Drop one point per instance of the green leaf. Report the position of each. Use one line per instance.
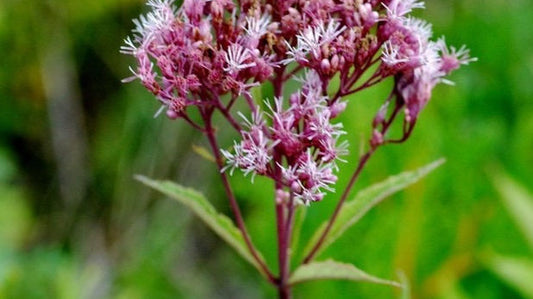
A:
(406, 286)
(518, 202)
(365, 200)
(203, 152)
(299, 217)
(331, 269)
(201, 207)
(517, 272)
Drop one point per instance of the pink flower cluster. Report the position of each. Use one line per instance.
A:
(209, 53)
(192, 55)
(300, 135)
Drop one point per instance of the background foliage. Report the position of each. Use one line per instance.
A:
(74, 223)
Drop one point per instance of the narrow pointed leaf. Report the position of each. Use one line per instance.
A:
(299, 217)
(406, 286)
(516, 272)
(333, 270)
(201, 207)
(203, 152)
(365, 200)
(519, 203)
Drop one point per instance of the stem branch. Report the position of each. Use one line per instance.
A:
(362, 162)
(233, 202)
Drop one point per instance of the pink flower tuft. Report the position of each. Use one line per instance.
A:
(208, 54)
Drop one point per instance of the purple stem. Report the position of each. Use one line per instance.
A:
(250, 102)
(292, 73)
(209, 131)
(232, 101)
(192, 123)
(362, 162)
(277, 82)
(283, 289)
(360, 166)
(228, 115)
(284, 222)
(286, 233)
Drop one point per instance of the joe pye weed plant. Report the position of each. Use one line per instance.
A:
(203, 57)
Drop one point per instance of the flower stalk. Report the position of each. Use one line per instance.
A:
(210, 134)
(210, 54)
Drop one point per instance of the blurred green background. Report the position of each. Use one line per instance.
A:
(74, 223)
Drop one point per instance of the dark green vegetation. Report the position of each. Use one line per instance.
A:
(74, 222)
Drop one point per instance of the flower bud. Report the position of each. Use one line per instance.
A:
(377, 138)
(282, 196)
(172, 114)
(335, 62)
(325, 66)
(337, 109)
(295, 187)
(380, 116)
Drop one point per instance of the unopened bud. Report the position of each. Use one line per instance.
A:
(295, 187)
(335, 62)
(325, 50)
(342, 60)
(282, 196)
(325, 66)
(172, 114)
(380, 116)
(337, 109)
(377, 138)
(294, 99)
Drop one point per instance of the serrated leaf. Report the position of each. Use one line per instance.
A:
(201, 207)
(517, 272)
(331, 269)
(365, 200)
(519, 203)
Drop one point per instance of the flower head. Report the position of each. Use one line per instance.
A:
(209, 54)
(311, 39)
(236, 57)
